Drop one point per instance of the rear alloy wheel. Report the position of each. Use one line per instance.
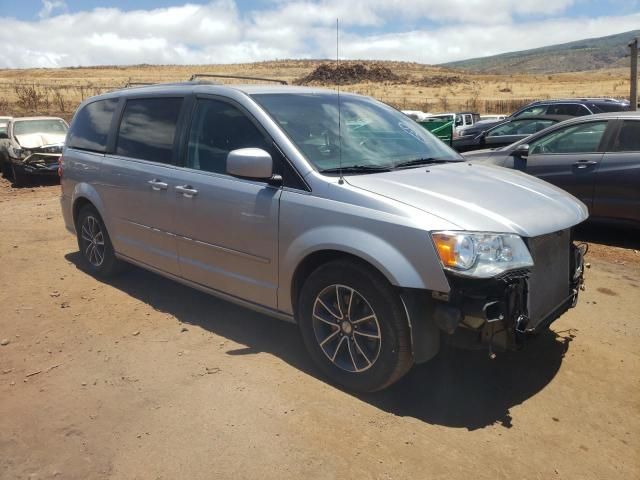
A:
(95, 245)
(354, 326)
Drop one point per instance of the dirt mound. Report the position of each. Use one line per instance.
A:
(438, 80)
(348, 73)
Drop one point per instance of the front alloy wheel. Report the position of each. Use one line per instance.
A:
(354, 325)
(346, 328)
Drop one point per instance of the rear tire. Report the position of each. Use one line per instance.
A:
(96, 250)
(354, 326)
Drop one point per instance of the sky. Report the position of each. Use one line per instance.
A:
(59, 33)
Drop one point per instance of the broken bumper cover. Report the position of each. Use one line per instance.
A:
(502, 311)
(38, 163)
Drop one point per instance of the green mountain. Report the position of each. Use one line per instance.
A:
(588, 54)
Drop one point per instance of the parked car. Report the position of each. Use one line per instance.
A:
(506, 132)
(572, 107)
(417, 115)
(31, 146)
(460, 119)
(4, 123)
(371, 234)
(491, 118)
(596, 158)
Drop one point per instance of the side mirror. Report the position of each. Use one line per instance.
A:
(3, 135)
(522, 151)
(481, 135)
(253, 163)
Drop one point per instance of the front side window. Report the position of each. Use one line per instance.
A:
(218, 128)
(629, 137)
(367, 134)
(581, 138)
(90, 127)
(520, 127)
(148, 127)
(45, 126)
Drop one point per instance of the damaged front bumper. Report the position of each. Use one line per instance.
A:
(38, 163)
(501, 312)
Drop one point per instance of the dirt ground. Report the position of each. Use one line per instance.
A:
(144, 378)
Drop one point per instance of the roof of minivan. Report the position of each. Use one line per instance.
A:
(198, 86)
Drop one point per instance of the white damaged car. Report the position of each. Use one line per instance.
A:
(31, 146)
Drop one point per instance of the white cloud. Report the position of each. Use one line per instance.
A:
(48, 7)
(218, 32)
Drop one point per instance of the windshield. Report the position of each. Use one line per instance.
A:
(49, 126)
(373, 134)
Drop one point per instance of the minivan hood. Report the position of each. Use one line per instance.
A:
(35, 140)
(480, 197)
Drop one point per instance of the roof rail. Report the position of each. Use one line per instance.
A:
(138, 84)
(211, 75)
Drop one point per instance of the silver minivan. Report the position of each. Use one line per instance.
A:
(334, 211)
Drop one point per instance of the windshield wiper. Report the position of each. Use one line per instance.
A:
(357, 169)
(421, 161)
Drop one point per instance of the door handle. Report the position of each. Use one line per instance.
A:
(582, 164)
(158, 185)
(187, 191)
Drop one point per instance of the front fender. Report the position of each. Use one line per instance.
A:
(400, 270)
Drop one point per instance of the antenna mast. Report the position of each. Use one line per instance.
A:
(340, 180)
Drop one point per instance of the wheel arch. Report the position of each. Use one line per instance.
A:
(84, 194)
(315, 260)
(321, 244)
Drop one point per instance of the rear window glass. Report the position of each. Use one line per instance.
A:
(148, 127)
(610, 107)
(90, 128)
(629, 137)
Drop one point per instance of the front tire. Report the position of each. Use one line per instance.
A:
(5, 167)
(19, 177)
(96, 250)
(354, 326)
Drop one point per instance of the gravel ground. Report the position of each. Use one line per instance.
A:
(143, 378)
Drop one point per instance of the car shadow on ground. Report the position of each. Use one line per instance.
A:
(35, 181)
(463, 389)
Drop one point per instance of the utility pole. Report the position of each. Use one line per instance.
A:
(633, 94)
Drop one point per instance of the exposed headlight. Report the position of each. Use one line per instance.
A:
(481, 255)
(16, 152)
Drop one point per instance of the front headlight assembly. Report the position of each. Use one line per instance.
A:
(479, 254)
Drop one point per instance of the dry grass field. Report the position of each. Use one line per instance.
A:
(423, 87)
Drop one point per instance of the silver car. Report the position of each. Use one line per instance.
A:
(336, 212)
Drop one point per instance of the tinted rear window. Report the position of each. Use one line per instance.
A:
(148, 127)
(629, 137)
(610, 107)
(90, 128)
